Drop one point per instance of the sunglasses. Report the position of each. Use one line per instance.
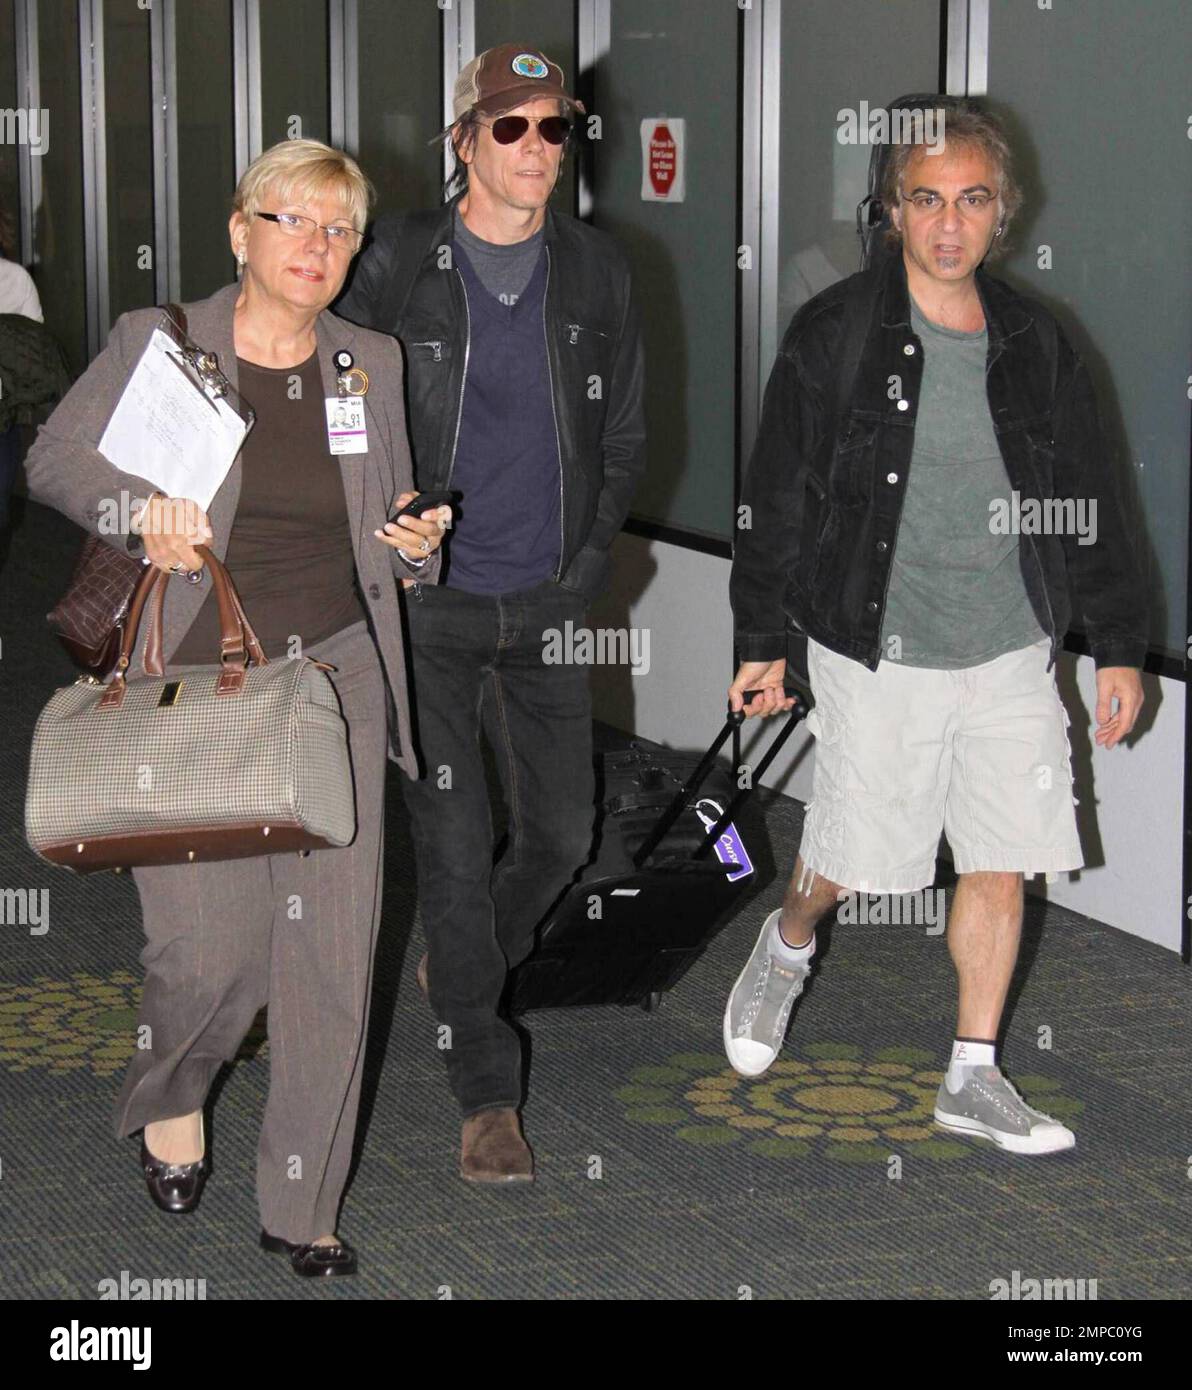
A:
(508, 130)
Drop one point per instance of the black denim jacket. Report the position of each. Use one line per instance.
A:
(825, 498)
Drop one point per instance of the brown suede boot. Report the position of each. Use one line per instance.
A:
(421, 976)
(493, 1150)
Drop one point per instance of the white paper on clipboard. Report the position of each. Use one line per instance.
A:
(167, 429)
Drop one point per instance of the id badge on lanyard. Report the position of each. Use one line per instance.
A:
(347, 432)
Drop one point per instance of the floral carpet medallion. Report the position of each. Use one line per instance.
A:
(830, 1100)
(83, 1021)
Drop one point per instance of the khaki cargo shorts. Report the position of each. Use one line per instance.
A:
(904, 752)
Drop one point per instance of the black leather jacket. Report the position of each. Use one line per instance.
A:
(405, 284)
(825, 499)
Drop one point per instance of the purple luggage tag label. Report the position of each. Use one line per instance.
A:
(730, 848)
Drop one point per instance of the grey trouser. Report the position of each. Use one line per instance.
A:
(292, 932)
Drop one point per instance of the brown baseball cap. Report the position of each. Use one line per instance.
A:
(503, 77)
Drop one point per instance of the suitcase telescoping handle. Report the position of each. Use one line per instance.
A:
(706, 763)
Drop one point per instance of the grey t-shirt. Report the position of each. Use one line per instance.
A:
(504, 271)
(956, 596)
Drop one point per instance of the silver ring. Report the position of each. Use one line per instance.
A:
(425, 546)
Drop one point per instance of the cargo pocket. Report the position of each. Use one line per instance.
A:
(1068, 756)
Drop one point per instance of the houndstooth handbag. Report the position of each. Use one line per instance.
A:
(240, 760)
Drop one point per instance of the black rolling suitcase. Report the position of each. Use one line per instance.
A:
(669, 866)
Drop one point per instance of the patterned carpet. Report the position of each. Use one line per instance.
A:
(661, 1174)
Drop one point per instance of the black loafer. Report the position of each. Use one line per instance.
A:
(174, 1187)
(313, 1261)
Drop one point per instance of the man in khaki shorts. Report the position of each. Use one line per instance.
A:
(888, 568)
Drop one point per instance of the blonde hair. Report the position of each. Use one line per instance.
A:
(296, 170)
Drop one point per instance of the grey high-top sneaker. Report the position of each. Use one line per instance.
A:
(760, 1004)
(988, 1107)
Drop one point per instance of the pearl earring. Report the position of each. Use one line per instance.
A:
(242, 258)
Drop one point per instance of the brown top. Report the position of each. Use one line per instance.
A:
(290, 551)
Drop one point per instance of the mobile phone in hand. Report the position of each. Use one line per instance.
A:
(427, 502)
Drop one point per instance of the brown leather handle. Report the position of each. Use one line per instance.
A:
(237, 641)
(253, 646)
(236, 637)
(146, 585)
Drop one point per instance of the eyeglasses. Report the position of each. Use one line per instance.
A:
(294, 224)
(967, 202)
(508, 130)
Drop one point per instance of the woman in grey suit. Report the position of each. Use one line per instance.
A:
(305, 536)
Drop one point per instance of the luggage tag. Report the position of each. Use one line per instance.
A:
(347, 432)
(729, 848)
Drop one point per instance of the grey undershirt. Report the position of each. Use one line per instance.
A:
(956, 596)
(504, 271)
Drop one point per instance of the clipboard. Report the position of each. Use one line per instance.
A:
(203, 367)
(179, 422)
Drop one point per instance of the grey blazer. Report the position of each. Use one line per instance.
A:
(66, 471)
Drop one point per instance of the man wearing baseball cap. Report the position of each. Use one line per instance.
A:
(524, 374)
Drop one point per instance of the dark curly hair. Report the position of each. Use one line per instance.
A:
(963, 122)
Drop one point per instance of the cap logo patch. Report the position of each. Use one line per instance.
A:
(529, 65)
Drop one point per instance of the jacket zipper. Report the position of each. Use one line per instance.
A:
(578, 328)
(554, 412)
(438, 347)
(459, 415)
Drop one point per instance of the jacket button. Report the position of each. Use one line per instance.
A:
(891, 477)
(904, 405)
(872, 606)
(882, 547)
(374, 591)
(909, 349)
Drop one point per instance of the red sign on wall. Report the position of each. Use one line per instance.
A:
(663, 158)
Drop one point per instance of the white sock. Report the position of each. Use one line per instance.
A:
(968, 1053)
(785, 953)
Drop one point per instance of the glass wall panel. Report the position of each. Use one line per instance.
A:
(678, 59)
(58, 227)
(400, 106)
(549, 26)
(836, 55)
(295, 89)
(206, 143)
(1099, 98)
(128, 97)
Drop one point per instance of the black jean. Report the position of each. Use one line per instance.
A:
(478, 664)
